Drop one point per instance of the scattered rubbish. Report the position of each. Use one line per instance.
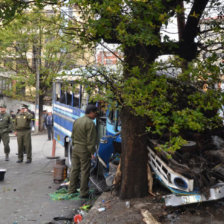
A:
(101, 209)
(2, 174)
(62, 218)
(14, 189)
(60, 171)
(65, 184)
(62, 194)
(147, 217)
(77, 218)
(86, 207)
(127, 203)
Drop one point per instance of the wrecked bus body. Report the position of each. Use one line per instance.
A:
(189, 181)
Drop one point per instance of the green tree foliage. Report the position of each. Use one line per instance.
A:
(10, 8)
(31, 36)
(34, 41)
(172, 103)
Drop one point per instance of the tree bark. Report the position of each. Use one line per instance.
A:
(134, 156)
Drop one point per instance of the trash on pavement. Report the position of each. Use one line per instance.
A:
(77, 218)
(85, 207)
(148, 218)
(127, 204)
(62, 194)
(65, 184)
(61, 218)
(101, 209)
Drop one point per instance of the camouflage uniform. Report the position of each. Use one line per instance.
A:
(23, 130)
(83, 141)
(5, 129)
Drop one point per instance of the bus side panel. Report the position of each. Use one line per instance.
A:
(64, 117)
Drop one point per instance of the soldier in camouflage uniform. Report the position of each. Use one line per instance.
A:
(5, 129)
(84, 142)
(23, 133)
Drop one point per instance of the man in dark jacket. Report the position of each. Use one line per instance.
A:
(84, 142)
(5, 128)
(23, 133)
(48, 121)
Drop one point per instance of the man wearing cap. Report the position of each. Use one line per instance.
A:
(84, 142)
(23, 133)
(6, 126)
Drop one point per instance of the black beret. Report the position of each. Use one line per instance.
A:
(91, 108)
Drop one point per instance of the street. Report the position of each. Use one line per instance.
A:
(24, 193)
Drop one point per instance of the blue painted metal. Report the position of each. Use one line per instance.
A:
(106, 149)
(64, 117)
(177, 191)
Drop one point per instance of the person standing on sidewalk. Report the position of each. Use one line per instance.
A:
(84, 142)
(6, 126)
(48, 121)
(23, 133)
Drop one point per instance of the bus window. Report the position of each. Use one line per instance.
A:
(76, 96)
(63, 97)
(69, 98)
(57, 91)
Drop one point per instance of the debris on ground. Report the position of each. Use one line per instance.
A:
(62, 194)
(148, 218)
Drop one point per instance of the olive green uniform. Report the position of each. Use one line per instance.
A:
(23, 129)
(5, 128)
(83, 141)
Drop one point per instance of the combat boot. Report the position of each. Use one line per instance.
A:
(19, 161)
(7, 157)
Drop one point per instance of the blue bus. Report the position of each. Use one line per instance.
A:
(69, 103)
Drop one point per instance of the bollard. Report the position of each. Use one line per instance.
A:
(53, 150)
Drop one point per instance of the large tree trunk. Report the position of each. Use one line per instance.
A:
(134, 156)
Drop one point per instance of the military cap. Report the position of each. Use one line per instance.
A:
(2, 106)
(24, 106)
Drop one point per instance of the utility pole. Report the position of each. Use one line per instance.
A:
(38, 65)
(37, 100)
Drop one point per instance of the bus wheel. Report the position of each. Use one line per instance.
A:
(69, 159)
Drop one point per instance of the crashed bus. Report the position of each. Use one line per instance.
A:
(70, 99)
(69, 102)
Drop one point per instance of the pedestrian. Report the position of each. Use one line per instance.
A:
(48, 121)
(84, 143)
(23, 133)
(6, 127)
(32, 124)
(44, 114)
